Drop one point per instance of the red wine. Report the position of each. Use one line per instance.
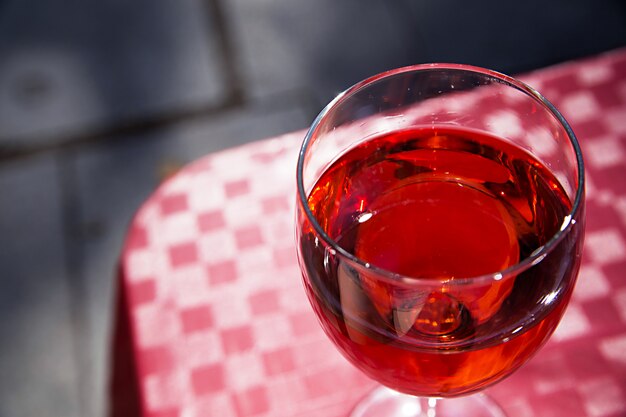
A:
(431, 207)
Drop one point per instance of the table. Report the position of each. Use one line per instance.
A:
(213, 321)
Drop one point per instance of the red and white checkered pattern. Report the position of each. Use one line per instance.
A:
(220, 326)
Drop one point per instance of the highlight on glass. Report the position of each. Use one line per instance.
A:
(439, 225)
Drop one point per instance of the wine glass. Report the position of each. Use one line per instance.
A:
(439, 227)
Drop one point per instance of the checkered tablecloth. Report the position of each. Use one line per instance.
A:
(213, 320)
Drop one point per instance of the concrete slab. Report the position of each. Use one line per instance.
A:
(321, 47)
(66, 70)
(38, 350)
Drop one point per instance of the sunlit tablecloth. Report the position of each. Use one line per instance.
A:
(214, 321)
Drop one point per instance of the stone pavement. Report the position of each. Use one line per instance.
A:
(101, 100)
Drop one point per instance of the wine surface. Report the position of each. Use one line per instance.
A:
(433, 206)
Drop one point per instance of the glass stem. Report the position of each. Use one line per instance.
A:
(428, 407)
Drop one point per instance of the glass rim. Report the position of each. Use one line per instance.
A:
(569, 220)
